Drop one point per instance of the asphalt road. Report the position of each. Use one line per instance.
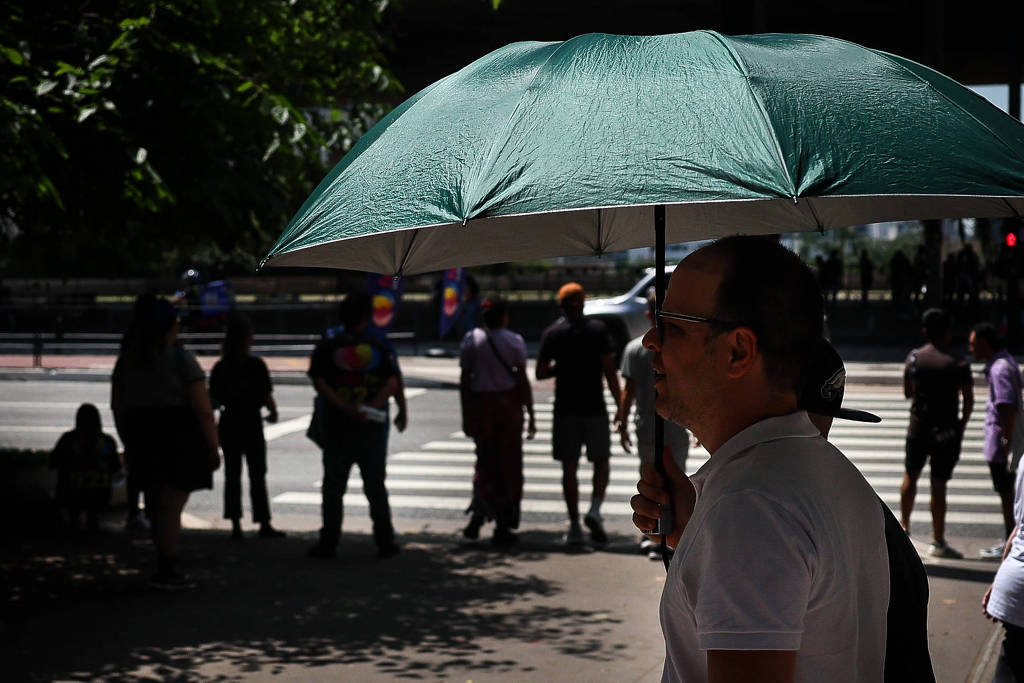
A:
(430, 464)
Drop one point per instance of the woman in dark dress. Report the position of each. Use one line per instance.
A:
(240, 386)
(160, 403)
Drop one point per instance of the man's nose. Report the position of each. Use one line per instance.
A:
(652, 340)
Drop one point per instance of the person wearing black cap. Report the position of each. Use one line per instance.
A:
(906, 642)
(934, 379)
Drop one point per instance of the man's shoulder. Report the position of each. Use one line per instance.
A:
(634, 348)
(560, 326)
(595, 325)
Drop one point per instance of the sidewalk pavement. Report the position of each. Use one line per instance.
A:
(78, 609)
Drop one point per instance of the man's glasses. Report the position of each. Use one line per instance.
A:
(727, 324)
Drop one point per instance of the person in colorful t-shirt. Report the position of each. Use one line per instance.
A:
(354, 376)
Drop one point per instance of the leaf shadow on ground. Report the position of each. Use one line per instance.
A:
(79, 609)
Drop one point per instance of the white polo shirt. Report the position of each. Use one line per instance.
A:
(785, 550)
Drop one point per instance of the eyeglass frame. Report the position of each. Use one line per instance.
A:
(728, 324)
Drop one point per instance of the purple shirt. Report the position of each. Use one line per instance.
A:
(1004, 383)
(487, 373)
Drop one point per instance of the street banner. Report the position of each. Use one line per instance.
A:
(386, 294)
(452, 287)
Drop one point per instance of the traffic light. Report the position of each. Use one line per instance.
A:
(1011, 234)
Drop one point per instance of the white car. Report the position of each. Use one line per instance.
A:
(624, 315)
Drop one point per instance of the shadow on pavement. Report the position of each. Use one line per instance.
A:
(79, 609)
(983, 574)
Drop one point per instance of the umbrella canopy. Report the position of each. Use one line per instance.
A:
(545, 149)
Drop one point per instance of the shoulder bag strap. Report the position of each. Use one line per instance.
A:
(504, 364)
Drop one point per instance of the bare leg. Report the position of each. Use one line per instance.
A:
(908, 491)
(571, 491)
(1006, 498)
(167, 526)
(939, 511)
(601, 474)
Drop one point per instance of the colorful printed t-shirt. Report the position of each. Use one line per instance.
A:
(355, 365)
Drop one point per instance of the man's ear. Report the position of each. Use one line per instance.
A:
(743, 351)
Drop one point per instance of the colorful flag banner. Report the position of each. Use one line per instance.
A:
(452, 287)
(386, 294)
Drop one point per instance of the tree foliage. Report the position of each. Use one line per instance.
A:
(136, 133)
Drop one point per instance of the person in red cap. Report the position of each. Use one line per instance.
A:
(577, 351)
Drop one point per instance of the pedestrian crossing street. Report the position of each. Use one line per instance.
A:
(438, 475)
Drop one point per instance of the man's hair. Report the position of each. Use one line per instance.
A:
(570, 289)
(652, 302)
(236, 336)
(769, 289)
(494, 309)
(355, 309)
(936, 323)
(990, 334)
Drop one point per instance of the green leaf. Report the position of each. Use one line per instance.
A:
(12, 55)
(86, 113)
(45, 87)
(245, 86)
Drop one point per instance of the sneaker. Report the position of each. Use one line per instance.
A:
(993, 553)
(504, 537)
(597, 533)
(654, 553)
(574, 537)
(943, 550)
(270, 532)
(646, 545)
(170, 581)
(386, 551)
(472, 530)
(322, 552)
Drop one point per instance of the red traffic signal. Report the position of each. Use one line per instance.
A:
(1011, 239)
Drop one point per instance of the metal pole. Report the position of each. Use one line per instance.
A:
(659, 295)
(667, 517)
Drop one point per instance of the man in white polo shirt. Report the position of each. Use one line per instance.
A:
(780, 571)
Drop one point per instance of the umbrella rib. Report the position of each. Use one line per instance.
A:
(1012, 208)
(817, 219)
(896, 60)
(760, 106)
(405, 256)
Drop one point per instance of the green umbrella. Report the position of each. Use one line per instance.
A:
(548, 149)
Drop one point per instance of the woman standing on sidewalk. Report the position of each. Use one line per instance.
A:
(240, 386)
(158, 393)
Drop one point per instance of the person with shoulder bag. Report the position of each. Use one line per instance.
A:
(494, 390)
(158, 393)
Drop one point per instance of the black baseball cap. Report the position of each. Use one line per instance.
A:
(824, 384)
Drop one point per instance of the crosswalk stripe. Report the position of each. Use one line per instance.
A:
(438, 474)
